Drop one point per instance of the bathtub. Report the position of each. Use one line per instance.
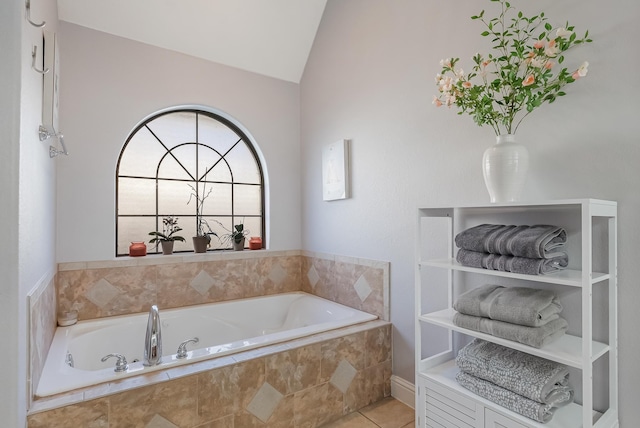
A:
(74, 358)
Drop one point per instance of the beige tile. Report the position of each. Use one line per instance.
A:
(225, 391)
(226, 422)
(265, 401)
(175, 401)
(378, 346)
(350, 348)
(90, 414)
(318, 405)
(389, 413)
(352, 420)
(294, 370)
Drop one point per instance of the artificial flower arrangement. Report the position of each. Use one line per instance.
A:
(524, 72)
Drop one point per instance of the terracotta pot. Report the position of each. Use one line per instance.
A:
(137, 249)
(255, 243)
(200, 243)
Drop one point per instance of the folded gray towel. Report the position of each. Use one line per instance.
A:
(537, 241)
(532, 336)
(513, 264)
(539, 412)
(533, 377)
(517, 305)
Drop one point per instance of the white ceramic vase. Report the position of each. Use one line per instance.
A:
(505, 166)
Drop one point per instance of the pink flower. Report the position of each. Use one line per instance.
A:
(539, 44)
(467, 85)
(548, 65)
(529, 80)
(581, 71)
(436, 101)
(551, 50)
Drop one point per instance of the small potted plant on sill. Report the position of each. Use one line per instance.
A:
(202, 240)
(235, 237)
(167, 237)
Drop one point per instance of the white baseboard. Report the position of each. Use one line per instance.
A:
(403, 391)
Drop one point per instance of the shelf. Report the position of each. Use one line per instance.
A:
(601, 207)
(566, 349)
(569, 416)
(568, 277)
(591, 227)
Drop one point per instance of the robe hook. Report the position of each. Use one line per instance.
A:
(28, 7)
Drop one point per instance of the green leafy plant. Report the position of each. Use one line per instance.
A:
(234, 235)
(522, 73)
(169, 227)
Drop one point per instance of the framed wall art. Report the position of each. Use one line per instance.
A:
(335, 171)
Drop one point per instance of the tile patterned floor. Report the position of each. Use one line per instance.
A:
(387, 413)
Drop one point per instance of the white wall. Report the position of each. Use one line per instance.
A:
(11, 409)
(28, 197)
(370, 78)
(109, 84)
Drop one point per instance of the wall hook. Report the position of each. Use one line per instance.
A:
(33, 61)
(28, 7)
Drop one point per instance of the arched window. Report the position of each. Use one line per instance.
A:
(175, 158)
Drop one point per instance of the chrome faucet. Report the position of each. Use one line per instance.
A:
(153, 339)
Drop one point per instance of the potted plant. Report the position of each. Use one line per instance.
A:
(235, 237)
(167, 237)
(202, 239)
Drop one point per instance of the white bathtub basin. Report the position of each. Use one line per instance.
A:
(221, 328)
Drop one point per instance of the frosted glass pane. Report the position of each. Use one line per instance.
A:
(141, 156)
(247, 200)
(175, 128)
(243, 165)
(132, 229)
(221, 226)
(254, 226)
(180, 164)
(215, 134)
(173, 197)
(208, 158)
(136, 196)
(219, 202)
(220, 173)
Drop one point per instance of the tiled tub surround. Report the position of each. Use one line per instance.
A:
(131, 285)
(302, 383)
(42, 326)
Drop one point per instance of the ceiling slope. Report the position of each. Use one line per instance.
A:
(269, 37)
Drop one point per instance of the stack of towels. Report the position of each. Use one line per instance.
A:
(521, 314)
(532, 250)
(523, 383)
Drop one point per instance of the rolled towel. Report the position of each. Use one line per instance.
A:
(537, 241)
(512, 264)
(533, 377)
(517, 305)
(539, 412)
(532, 336)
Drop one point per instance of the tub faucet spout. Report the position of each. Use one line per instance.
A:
(153, 339)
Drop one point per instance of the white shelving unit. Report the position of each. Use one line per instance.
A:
(591, 227)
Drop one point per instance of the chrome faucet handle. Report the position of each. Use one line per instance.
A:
(182, 348)
(121, 363)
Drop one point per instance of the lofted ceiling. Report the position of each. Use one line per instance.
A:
(269, 37)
